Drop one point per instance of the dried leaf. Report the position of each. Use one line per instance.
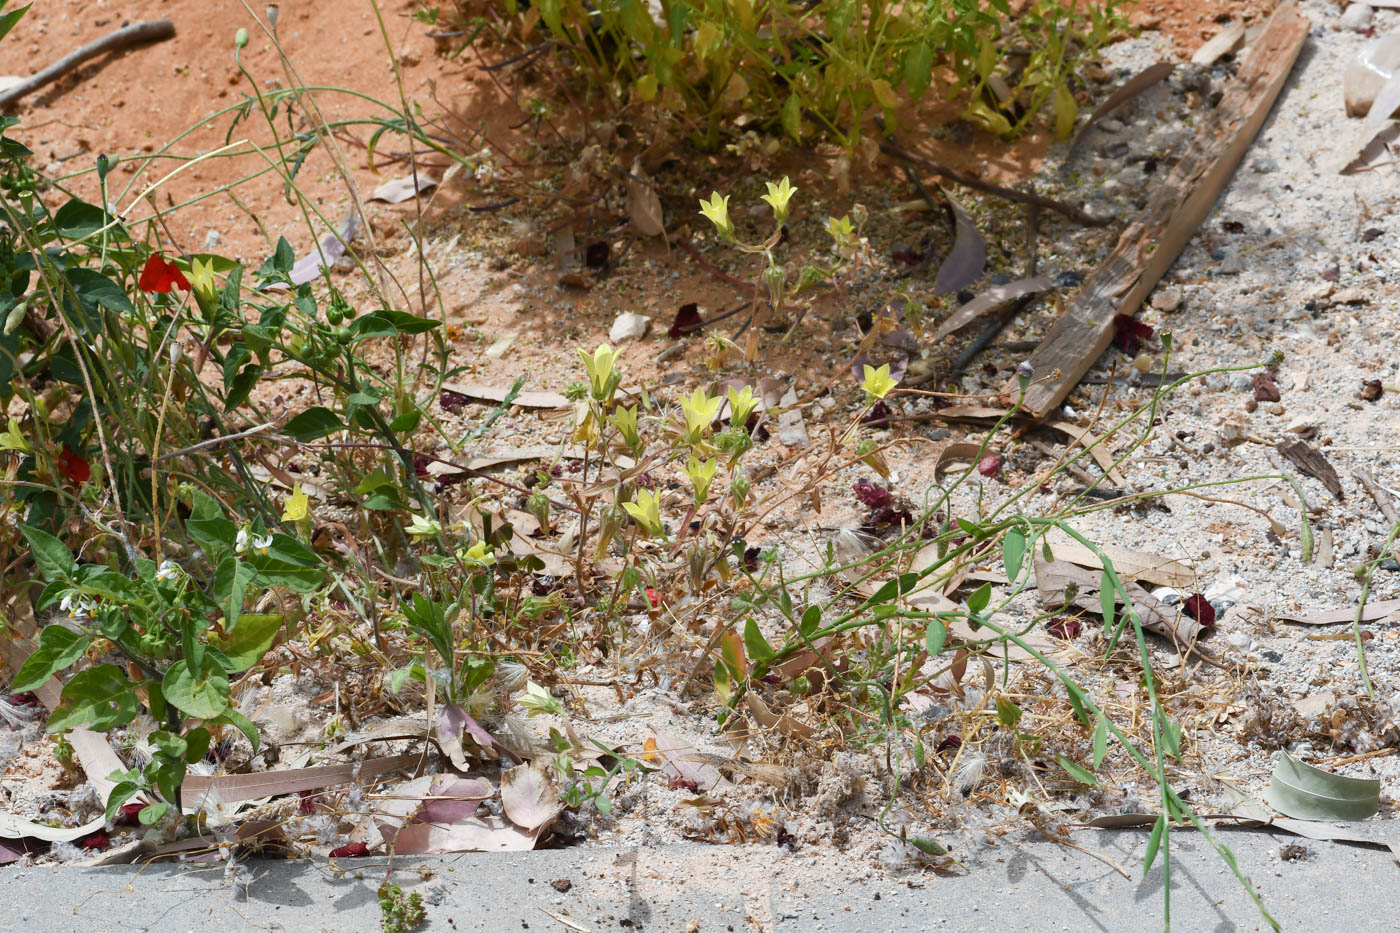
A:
(1311, 461)
(1221, 44)
(1122, 94)
(13, 827)
(681, 762)
(643, 204)
(311, 266)
(1385, 104)
(1307, 793)
(957, 452)
(966, 261)
(231, 788)
(1370, 613)
(477, 834)
(1265, 388)
(786, 723)
(529, 798)
(1054, 578)
(498, 395)
(401, 189)
(992, 300)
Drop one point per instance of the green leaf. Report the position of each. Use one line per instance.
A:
(1108, 602)
(252, 637)
(1008, 713)
(153, 813)
(121, 793)
(980, 598)
(927, 846)
(758, 646)
(406, 422)
(78, 219)
(903, 583)
(282, 259)
(100, 697)
(233, 717)
(1100, 741)
(1153, 842)
(203, 696)
(51, 556)
(792, 117)
(1013, 553)
(918, 69)
(314, 423)
(1171, 737)
(59, 648)
(231, 581)
(7, 22)
(935, 636)
(1078, 701)
(1077, 771)
(1307, 793)
(811, 620)
(95, 289)
(197, 744)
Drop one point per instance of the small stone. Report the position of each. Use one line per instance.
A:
(1357, 16)
(212, 239)
(562, 885)
(1350, 296)
(1167, 299)
(1271, 656)
(1229, 262)
(1114, 150)
(628, 326)
(1069, 279)
(1277, 409)
(1110, 125)
(1238, 639)
(1241, 382)
(1264, 165)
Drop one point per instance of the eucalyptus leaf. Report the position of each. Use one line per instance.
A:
(1301, 791)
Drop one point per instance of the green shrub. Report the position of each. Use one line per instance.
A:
(822, 68)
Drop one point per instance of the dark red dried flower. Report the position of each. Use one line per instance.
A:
(687, 320)
(950, 743)
(785, 839)
(22, 699)
(1066, 627)
(129, 815)
(98, 840)
(597, 255)
(751, 555)
(453, 401)
(910, 257)
(680, 783)
(1129, 333)
(351, 850)
(878, 412)
(1199, 608)
(1265, 389)
(989, 465)
(871, 495)
(1232, 226)
(307, 807)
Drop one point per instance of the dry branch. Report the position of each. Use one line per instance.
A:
(154, 30)
(1151, 244)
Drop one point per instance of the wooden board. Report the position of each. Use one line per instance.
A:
(1149, 246)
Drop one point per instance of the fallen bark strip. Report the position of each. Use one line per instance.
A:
(154, 30)
(1149, 246)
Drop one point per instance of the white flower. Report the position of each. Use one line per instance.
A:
(246, 542)
(422, 527)
(77, 606)
(169, 570)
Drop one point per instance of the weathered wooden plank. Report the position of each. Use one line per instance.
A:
(1149, 246)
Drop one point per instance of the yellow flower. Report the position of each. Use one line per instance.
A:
(646, 512)
(701, 474)
(480, 553)
(202, 279)
(422, 527)
(296, 506)
(716, 210)
(778, 196)
(14, 439)
(602, 373)
(878, 383)
(625, 420)
(700, 411)
(741, 406)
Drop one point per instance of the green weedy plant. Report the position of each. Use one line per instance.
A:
(399, 912)
(181, 631)
(809, 69)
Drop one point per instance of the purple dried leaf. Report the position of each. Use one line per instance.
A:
(989, 465)
(1066, 627)
(967, 260)
(1129, 333)
(1199, 608)
(453, 401)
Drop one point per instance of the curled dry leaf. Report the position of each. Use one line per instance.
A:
(992, 300)
(681, 761)
(529, 798)
(476, 834)
(1126, 91)
(401, 189)
(966, 261)
(643, 204)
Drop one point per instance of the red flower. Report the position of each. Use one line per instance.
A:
(352, 850)
(654, 598)
(1199, 608)
(129, 814)
(73, 465)
(162, 276)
